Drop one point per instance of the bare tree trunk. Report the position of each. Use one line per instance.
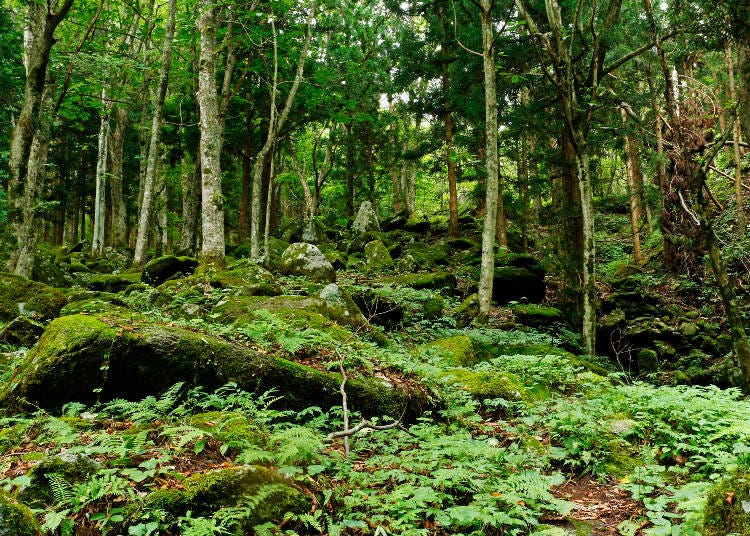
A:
(100, 203)
(144, 216)
(487, 270)
(212, 201)
(191, 203)
(743, 76)
(119, 234)
(635, 187)
(274, 127)
(737, 135)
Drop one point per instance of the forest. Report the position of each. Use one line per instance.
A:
(374, 267)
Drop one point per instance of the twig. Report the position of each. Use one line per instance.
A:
(687, 210)
(367, 424)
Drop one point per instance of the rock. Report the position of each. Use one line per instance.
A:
(84, 358)
(16, 519)
(205, 493)
(665, 350)
(21, 331)
(537, 316)
(484, 385)
(312, 231)
(366, 219)
(512, 283)
(467, 311)
(688, 329)
(157, 271)
(101, 265)
(647, 360)
(421, 226)
(456, 351)
(74, 468)
(426, 280)
(429, 255)
(722, 516)
(396, 222)
(406, 263)
(76, 248)
(48, 271)
(377, 257)
(21, 296)
(112, 282)
(306, 259)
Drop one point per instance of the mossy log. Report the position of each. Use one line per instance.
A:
(87, 358)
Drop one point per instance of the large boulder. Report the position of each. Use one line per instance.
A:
(306, 259)
(377, 257)
(21, 331)
(86, 358)
(160, 270)
(20, 296)
(15, 518)
(727, 509)
(518, 278)
(366, 219)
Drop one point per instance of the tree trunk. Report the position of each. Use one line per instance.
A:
(149, 180)
(212, 200)
(119, 234)
(587, 216)
(635, 188)
(743, 85)
(487, 270)
(191, 206)
(741, 220)
(100, 203)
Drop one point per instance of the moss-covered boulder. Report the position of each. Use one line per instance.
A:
(537, 316)
(456, 351)
(425, 280)
(21, 331)
(157, 271)
(306, 259)
(49, 271)
(429, 255)
(21, 296)
(86, 358)
(484, 385)
(72, 468)
(512, 283)
(377, 257)
(16, 519)
(727, 509)
(366, 219)
(113, 282)
(202, 494)
(100, 265)
(467, 311)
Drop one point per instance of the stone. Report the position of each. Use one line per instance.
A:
(113, 282)
(85, 358)
(21, 331)
(366, 219)
(467, 311)
(157, 271)
(306, 259)
(537, 316)
(396, 222)
(688, 329)
(377, 257)
(16, 519)
(647, 360)
(21, 296)
(511, 283)
(48, 271)
(722, 516)
(424, 280)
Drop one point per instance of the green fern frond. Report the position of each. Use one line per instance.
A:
(62, 490)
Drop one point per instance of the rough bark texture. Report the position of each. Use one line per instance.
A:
(635, 190)
(490, 110)
(191, 205)
(212, 201)
(100, 202)
(737, 136)
(119, 232)
(149, 179)
(743, 81)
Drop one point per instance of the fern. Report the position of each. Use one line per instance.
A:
(254, 455)
(62, 491)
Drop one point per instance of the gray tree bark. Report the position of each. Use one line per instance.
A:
(100, 204)
(147, 202)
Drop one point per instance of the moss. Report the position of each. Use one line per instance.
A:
(229, 427)
(428, 255)
(467, 311)
(377, 257)
(427, 280)
(204, 493)
(456, 351)
(485, 385)
(93, 306)
(16, 519)
(19, 295)
(113, 282)
(82, 358)
(726, 509)
(621, 459)
(73, 468)
(537, 315)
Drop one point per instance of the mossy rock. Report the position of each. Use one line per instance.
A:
(157, 271)
(245, 278)
(228, 427)
(307, 260)
(16, 519)
(85, 358)
(21, 296)
(21, 331)
(204, 493)
(48, 271)
(73, 468)
(429, 255)
(537, 316)
(366, 219)
(426, 280)
(457, 351)
(113, 282)
(467, 311)
(722, 516)
(101, 265)
(512, 283)
(94, 305)
(377, 257)
(484, 385)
